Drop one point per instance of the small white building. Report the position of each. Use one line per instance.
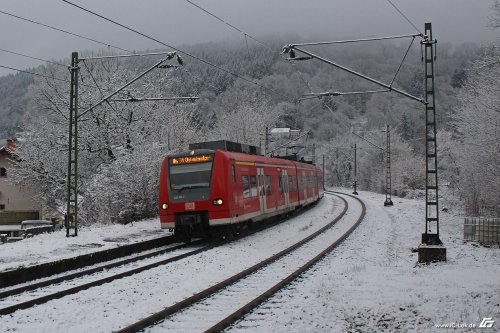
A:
(16, 204)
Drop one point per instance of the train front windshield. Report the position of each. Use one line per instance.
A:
(190, 172)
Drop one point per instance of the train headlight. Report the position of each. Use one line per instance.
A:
(218, 202)
(164, 206)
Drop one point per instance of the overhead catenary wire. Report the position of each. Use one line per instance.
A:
(65, 31)
(32, 73)
(32, 57)
(229, 24)
(404, 16)
(108, 45)
(126, 55)
(251, 37)
(42, 75)
(357, 40)
(175, 48)
(254, 39)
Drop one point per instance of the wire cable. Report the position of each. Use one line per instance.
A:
(44, 76)
(34, 58)
(36, 74)
(64, 31)
(174, 48)
(405, 17)
(229, 24)
(402, 61)
(251, 37)
(357, 40)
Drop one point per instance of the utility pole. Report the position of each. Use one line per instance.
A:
(355, 182)
(71, 222)
(388, 201)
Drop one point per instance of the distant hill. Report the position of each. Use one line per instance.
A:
(13, 102)
(266, 66)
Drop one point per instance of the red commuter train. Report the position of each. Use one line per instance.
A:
(221, 186)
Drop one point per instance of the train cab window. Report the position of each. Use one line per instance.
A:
(189, 175)
(253, 186)
(245, 186)
(3, 172)
(269, 190)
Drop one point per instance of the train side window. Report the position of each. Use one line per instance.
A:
(233, 173)
(245, 186)
(253, 186)
(269, 190)
(280, 184)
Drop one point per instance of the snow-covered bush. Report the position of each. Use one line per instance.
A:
(125, 190)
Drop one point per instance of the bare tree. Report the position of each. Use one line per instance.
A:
(477, 123)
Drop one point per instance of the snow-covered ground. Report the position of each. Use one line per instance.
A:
(56, 246)
(370, 284)
(373, 284)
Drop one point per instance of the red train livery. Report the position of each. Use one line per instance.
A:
(207, 191)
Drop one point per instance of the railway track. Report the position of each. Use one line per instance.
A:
(6, 294)
(50, 288)
(226, 302)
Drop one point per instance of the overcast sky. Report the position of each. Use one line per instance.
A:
(176, 22)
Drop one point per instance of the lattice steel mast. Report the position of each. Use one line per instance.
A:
(431, 235)
(388, 181)
(71, 222)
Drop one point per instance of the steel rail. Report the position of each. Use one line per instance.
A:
(240, 313)
(80, 273)
(177, 307)
(73, 290)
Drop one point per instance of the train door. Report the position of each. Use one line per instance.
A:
(262, 189)
(284, 177)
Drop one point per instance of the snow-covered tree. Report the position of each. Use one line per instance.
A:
(477, 124)
(115, 140)
(243, 115)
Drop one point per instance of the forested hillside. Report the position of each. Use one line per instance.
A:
(121, 143)
(13, 102)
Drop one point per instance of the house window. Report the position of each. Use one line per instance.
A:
(2, 206)
(3, 172)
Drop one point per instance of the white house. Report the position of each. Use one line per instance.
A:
(16, 204)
